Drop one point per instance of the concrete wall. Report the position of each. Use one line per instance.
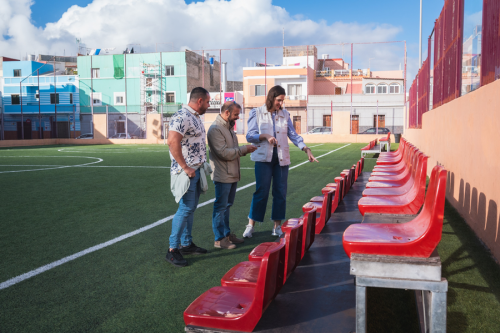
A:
(462, 136)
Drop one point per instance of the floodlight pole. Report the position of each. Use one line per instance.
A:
(420, 39)
(55, 98)
(40, 130)
(22, 117)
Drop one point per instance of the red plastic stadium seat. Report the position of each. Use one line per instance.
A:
(417, 238)
(237, 308)
(323, 209)
(407, 203)
(318, 200)
(399, 179)
(310, 224)
(398, 152)
(246, 273)
(293, 247)
(387, 138)
(419, 177)
(396, 169)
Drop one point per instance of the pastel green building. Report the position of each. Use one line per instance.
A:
(128, 86)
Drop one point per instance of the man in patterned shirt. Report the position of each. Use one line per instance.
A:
(186, 140)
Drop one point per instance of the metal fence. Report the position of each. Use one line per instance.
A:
(462, 56)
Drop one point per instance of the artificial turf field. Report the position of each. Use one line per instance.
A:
(57, 201)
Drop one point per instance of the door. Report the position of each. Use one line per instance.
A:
(355, 124)
(380, 122)
(63, 129)
(120, 127)
(327, 120)
(296, 124)
(27, 130)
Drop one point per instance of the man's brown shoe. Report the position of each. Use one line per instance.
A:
(224, 243)
(233, 239)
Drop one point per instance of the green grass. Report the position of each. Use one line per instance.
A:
(128, 287)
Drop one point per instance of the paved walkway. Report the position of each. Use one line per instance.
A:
(320, 295)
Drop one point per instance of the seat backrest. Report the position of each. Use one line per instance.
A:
(340, 187)
(428, 225)
(292, 249)
(270, 278)
(416, 194)
(309, 220)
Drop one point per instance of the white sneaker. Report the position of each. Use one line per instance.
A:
(277, 231)
(248, 231)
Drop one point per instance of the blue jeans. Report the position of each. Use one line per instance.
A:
(182, 223)
(224, 199)
(264, 172)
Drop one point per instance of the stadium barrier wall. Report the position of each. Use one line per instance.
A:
(153, 135)
(462, 136)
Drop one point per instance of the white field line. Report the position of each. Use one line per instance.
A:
(317, 145)
(64, 260)
(99, 160)
(84, 166)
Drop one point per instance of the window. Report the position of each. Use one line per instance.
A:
(257, 90)
(54, 98)
(37, 95)
(14, 98)
(294, 89)
(169, 70)
(17, 72)
(370, 89)
(394, 88)
(170, 97)
(97, 99)
(382, 88)
(95, 73)
(338, 90)
(119, 98)
(70, 98)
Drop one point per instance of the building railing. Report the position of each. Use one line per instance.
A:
(296, 97)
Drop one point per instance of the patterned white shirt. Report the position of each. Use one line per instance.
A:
(188, 122)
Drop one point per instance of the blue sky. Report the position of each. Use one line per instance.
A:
(403, 14)
(52, 26)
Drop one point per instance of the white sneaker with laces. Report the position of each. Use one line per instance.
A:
(248, 231)
(277, 231)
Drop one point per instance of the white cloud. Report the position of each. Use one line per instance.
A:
(211, 24)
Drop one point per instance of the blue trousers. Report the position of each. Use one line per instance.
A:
(224, 199)
(182, 223)
(264, 173)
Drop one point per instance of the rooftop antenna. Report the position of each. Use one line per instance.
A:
(283, 37)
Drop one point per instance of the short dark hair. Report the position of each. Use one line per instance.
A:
(272, 94)
(197, 93)
(229, 106)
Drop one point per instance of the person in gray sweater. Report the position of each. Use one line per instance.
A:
(224, 156)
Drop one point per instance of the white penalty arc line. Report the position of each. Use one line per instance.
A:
(99, 160)
(77, 255)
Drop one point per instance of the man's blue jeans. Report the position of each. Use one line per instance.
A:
(264, 173)
(182, 223)
(224, 199)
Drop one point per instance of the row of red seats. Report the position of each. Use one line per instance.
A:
(397, 186)
(248, 288)
(370, 145)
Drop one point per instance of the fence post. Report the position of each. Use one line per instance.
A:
(74, 123)
(107, 124)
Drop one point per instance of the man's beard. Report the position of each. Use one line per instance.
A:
(231, 123)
